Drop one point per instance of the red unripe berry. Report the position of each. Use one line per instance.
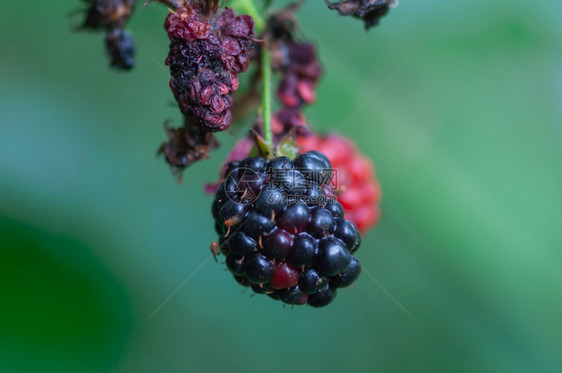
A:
(356, 185)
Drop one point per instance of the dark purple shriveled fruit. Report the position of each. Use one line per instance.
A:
(187, 145)
(112, 16)
(370, 11)
(121, 48)
(295, 60)
(207, 51)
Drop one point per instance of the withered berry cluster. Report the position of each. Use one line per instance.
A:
(370, 11)
(207, 51)
(112, 16)
(290, 204)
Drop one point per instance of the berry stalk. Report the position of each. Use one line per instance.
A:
(266, 96)
(249, 7)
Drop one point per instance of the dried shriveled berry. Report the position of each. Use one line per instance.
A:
(121, 48)
(298, 85)
(107, 13)
(295, 60)
(207, 51)
(112, 16)
(370, 11)
(187, 145)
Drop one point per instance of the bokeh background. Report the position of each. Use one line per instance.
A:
(458, 104)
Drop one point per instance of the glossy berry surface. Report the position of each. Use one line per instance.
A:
(279, 237)
(347, 277)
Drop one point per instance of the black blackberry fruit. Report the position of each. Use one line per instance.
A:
(281, 233)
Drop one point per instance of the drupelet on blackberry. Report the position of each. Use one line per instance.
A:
(282, 232)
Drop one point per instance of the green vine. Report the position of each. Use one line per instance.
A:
(266, 96)
(249, 7)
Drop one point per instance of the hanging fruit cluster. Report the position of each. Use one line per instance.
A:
(290, 204)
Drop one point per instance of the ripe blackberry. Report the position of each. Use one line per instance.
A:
(370, 11)
(208, 48)
(282, 238)
(358, 189)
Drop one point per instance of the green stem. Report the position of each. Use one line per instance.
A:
(266, 95)
(249, 7)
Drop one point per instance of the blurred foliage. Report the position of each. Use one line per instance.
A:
(58, 303)
(457, 103)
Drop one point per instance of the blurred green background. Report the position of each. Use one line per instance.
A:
(95, 232)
